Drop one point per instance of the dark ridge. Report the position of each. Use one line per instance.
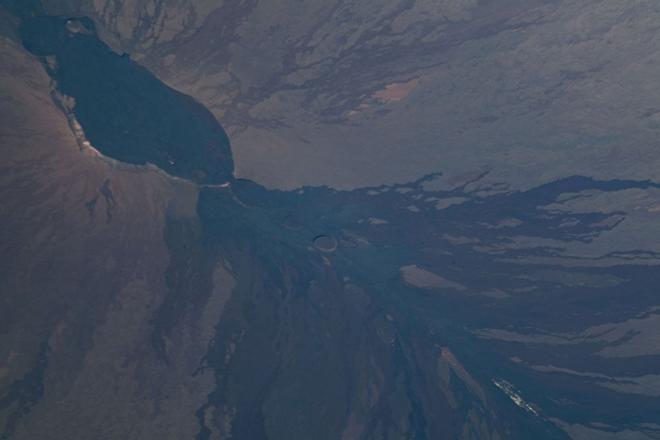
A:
(188, 278)
(24, 393)
(124, 110)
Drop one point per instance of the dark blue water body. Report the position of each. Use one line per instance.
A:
(126, 112)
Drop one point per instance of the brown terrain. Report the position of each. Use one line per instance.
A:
(83, 243)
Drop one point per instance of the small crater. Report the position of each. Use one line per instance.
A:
(78, 26)
(325, 243)
(292, 223)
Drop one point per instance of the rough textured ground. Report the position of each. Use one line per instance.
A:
(82, 272)
(351, 94)
(480, 303)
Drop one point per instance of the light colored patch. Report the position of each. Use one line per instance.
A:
(509, 222)
(396, 91)
(639, 336)
(460, 239)
(508, 389)
(644, 342)
(591, 432)
(495, 293)
(418, 277)
(359, 109)
(648, 385)
(462, 373)
(446, 203)
(573, 278)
